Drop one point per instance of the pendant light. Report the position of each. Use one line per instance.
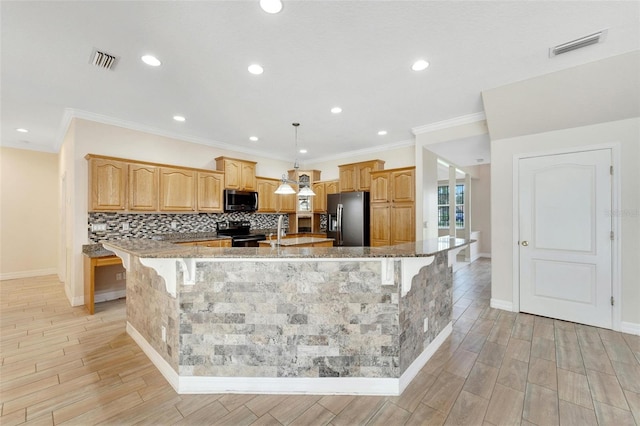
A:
(285, 187)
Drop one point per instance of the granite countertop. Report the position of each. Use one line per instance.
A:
(163, 249)
(296, 241)
(97, 250)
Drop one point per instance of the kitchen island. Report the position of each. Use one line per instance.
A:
(335, 320)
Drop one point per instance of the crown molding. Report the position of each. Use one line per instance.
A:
(70, 114)
(452, 122)
(364, 151)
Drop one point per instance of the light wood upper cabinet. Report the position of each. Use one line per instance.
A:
(332, 187)
(210, 187)
(348, 175)
(380, 187)
(107, 184)
(287, 203)
(320, 200)
(143, 187)
(267, 198)
(356, 176)
(177, 189)
(403, 183)
(238, 174)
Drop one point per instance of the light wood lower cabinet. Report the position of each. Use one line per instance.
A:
(223, 242)
(90, 266)
(392, 207)
(177, 190)
(380, 225)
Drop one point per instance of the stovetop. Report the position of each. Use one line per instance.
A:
(235, 228)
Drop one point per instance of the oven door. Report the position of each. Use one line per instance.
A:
(246, 241)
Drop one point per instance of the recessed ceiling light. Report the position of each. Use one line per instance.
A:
(255, 69)
(336, 110)
(271, 6)
(151, 60)
(420, 65)
(21, 130)
(382, 132)
(179, 118)
(303, 151)
(253, 138)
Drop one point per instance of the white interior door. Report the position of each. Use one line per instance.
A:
(565, 237)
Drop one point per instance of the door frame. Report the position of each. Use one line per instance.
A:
(616, 247)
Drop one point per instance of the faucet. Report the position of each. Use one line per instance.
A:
(279, 230)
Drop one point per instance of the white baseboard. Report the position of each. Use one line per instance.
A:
(288, 385)
(630, 328)
(163, 366)
(505, 305)
(109, 295)
(412, 371)
(488, 255)
(28, 274)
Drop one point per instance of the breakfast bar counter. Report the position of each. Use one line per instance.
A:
(321, 320)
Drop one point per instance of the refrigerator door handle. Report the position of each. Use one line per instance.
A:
(339, 227)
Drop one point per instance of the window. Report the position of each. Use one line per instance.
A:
(443, 206)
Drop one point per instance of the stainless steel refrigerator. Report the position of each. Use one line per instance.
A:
(348, 218)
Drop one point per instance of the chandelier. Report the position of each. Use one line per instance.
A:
(285, 187)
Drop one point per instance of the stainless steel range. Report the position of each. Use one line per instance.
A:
(240, 233)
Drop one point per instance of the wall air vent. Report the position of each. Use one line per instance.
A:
(103, 60)
(585, 41)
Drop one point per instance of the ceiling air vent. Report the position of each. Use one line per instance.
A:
(103, 60)
(585, 41)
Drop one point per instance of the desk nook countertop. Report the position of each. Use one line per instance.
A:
(335, 320)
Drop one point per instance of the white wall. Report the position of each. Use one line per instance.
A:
(427, 175)
(626, 133)
(481, 204)
(28, 213)
(393, 158)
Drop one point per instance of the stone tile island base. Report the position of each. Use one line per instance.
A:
(359, 326)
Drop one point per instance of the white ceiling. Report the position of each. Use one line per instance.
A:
(316, 55)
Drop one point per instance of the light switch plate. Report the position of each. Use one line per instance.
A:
(97, 227)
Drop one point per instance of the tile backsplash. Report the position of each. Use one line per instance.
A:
(148, 225)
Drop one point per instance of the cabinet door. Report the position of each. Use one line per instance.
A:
(266, 195)
(332, 187)
(402, 223)
(232, 174)
(177, 189)
(348, 178)
(108, 184)
(210, 192)
(143, 187)
(364, 177)
(248, 176)
(403, 186)
(287, 203)
(320, 200)
(380, 188)
(380, 221)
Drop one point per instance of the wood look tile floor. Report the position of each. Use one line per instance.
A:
(59, 365)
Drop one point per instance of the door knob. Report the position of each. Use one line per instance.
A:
(525, 243)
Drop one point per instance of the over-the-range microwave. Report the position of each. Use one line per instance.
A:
(240, 201)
